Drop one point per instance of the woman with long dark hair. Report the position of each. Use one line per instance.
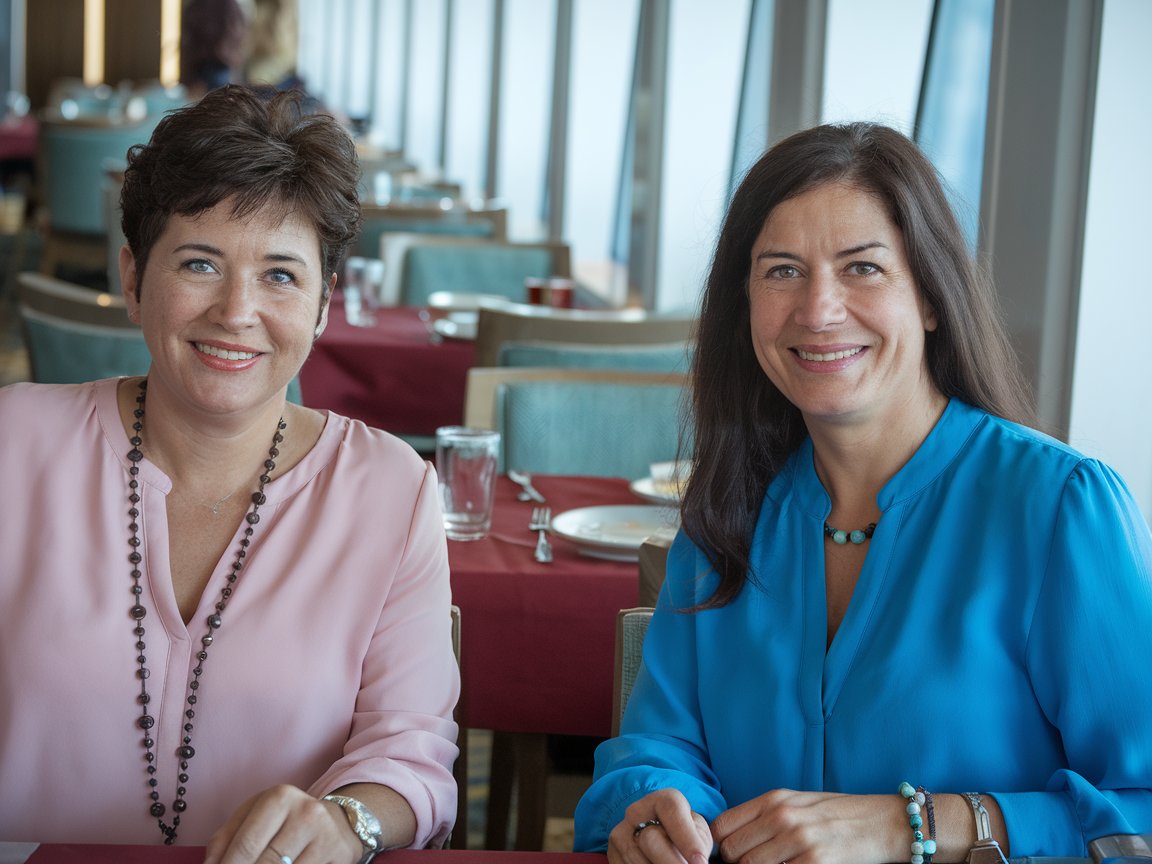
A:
(885, 579)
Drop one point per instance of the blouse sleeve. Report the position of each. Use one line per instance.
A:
(402, 734)
(1088, 655)
(664, 697)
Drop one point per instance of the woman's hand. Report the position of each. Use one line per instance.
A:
(813, 828)
(678, 835)
(285, 822)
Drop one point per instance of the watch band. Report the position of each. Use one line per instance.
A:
(363, 822)
(986, 850)
(980, 814)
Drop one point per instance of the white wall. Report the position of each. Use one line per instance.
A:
(1112, 377)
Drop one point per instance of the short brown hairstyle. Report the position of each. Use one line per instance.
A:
(261, 152)
(744, 428)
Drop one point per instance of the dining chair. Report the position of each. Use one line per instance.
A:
(631, 628)
(670, 357)
(423, 218)
(653, 561)
(594, 422)
(513, 334)
(497, 268)
(73, 333)
(71, 172)
(458, 839)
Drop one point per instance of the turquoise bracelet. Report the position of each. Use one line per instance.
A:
(920, 800)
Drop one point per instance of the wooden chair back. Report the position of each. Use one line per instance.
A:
(522, 323)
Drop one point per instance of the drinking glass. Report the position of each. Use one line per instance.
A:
(466, 468)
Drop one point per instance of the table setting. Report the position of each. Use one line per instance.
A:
(388, 374)
(540, 586)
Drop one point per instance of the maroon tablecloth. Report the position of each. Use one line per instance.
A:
(18, 136)
(95, 854)
(537, 640)
(390, 376)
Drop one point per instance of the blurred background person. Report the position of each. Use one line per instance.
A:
(213, 44)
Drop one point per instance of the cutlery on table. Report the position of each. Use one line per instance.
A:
(434, 336)
(541, 517)
(524, 481)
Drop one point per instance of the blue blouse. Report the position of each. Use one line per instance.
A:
(999, 640)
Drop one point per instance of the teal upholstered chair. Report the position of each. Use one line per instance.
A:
(73, 163)
(672, 357)
(516, 334)
(379, 222)
(578, 421)
(479, 268)
(75, 334)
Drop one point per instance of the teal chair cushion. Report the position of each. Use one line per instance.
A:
(471, 268)
(75, 159)
(63, 352)
(634, 358)
(372, 230)
(598, 429)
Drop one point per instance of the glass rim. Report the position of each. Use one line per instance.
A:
(466, 431)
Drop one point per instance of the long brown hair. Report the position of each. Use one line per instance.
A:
(744, 429)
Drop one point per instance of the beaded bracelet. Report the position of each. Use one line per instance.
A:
(918, 799)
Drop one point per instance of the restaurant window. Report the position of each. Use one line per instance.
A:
(752, 115)
(700, 127)
(873, 61)
(525, 93)
(603, 47)
(469, 71)
(952, 114)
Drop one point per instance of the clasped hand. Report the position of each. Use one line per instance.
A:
(284, 823)
(779, 826)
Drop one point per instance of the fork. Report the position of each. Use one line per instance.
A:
(541, 516)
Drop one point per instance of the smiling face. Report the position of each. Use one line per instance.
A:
(229, 307)
(838, 322)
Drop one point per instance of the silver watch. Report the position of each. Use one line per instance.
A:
(364, 823)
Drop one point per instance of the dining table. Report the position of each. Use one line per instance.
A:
(68, 853)
(538, 639)
(396, 375)
(18, 137)
(537, 655)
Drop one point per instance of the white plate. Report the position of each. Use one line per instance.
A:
(459, 301)
(458, 325)
(646, 488)
(614, 532)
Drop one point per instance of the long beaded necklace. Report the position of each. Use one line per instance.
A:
(185, 752)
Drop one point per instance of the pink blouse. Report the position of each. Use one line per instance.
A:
(334, 663)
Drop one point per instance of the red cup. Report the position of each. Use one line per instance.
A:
(536, 291)
(561, 293)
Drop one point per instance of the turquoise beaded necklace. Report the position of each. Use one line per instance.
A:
(840, 537)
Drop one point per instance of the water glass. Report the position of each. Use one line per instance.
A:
(354, 290)
(466, 467)
(363, 290)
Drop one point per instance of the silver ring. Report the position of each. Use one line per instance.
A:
(647, 823)
(284, 859)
